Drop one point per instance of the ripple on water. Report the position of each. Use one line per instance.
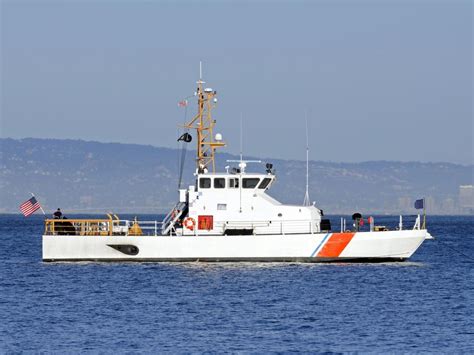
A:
(422, 305)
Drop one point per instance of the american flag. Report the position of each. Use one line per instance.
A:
(183, 103)
(29, 207)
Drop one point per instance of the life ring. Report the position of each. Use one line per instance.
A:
(190, 223)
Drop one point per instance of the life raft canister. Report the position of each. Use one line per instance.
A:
(189, 223)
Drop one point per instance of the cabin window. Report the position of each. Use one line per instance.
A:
(204, 183)
(219, 183)
(250, 183)
(234, 183)
(221, 206)
(264, 183)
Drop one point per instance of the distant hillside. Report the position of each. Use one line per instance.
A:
(81, 176)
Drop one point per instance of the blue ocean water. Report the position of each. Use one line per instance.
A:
(422, 305)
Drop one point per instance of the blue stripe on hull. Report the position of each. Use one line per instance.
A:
(320, 244)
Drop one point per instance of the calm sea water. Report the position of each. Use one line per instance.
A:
(425, 304)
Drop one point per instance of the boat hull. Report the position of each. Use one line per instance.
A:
(361, 246)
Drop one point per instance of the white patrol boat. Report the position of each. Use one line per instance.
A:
(226, 217)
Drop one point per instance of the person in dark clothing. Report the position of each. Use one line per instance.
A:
(57, 214)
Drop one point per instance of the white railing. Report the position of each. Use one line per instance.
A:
(151, 228)
(126, 227)
(269, 227)
(417, 223)
(123, 227)
(154, 228)
(373, 228)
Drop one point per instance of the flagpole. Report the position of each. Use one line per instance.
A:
(424, 214)
(41, 208)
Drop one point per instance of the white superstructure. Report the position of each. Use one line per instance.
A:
(232, 204)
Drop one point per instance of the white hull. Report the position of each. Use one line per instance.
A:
(388, 245)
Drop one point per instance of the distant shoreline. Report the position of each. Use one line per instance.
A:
(66, 140)
(93, 177)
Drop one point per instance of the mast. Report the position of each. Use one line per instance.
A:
(241, 139)
(204, 126)
(306, 196)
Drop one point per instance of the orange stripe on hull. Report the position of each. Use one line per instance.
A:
(335, 245)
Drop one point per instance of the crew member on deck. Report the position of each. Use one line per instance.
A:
(57, 214)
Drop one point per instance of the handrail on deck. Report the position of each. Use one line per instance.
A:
(98, 226)
(80, 226)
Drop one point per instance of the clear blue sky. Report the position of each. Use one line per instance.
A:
(387, 80)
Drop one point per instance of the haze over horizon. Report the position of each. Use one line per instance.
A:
(192, 149)
(380, 81)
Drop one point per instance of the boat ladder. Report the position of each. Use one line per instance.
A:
(172, 217)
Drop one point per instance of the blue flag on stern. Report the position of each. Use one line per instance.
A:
(420, 204)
